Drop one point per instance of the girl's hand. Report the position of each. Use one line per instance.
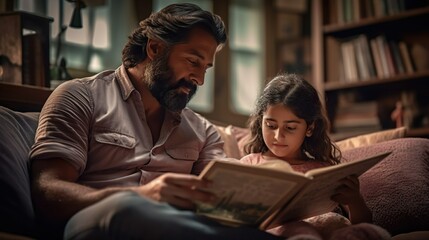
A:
(349, 195)
(349, 191)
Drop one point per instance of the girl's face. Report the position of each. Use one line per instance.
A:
(283, 132)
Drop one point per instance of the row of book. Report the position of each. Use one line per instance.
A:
(345, 11)
(379, 57)
(355, 117)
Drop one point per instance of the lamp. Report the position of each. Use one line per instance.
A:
(76, 20)
(60, 65)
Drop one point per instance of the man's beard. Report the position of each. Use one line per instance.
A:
(159, 77)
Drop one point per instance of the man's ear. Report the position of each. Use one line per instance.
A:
(153, 48)
(310, 130)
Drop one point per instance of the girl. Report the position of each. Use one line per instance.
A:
(290, 124)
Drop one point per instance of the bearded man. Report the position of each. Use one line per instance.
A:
(117, 154)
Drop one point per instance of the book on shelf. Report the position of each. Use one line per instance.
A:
(379, 8)
(368, 9)
(398, 62)
(380, 43)
(369, 59)
(335, 72)
(361, 62)
(364, 58)
(349, 62)
(406, 56)
(377, 58)
(348, 11)
(267, 196)
(352, 115)
(345, 11)
(389, 58)
(419, 56)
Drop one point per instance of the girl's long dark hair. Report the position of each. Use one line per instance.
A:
(302, 98)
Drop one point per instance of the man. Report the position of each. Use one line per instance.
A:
(117, 155)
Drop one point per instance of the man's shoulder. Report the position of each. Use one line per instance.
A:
(104, 76)
(101, 77)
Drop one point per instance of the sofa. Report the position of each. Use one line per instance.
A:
(396, 189)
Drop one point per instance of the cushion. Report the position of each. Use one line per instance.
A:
(230, 142)
(371, 138)
(236, 137)
(397, 188)
(17, 135)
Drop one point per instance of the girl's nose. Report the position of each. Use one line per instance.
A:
(279, 134)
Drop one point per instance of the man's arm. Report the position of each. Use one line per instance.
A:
(57, 196)
(55, 193)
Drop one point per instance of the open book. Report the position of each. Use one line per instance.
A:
(267, 196)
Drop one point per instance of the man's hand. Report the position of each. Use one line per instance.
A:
(180, 190)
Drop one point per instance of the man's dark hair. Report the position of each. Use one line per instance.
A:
(172, 25)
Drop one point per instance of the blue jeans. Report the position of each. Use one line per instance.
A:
(127, 215)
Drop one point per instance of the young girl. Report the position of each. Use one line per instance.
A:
(290, 124)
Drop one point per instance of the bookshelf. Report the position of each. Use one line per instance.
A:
(361, 60)
(289, 22)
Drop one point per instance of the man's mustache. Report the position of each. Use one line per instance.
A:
(184, 83)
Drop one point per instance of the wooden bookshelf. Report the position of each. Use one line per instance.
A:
(334, 76)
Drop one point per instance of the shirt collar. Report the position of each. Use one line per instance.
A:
(124, 82)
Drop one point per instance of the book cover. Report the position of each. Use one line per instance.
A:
(266, 196)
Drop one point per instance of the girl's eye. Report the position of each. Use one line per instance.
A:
(270, 126)
(291, 128)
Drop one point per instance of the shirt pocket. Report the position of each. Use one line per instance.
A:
(185, 154)
(116, 139)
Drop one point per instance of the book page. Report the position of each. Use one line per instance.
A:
(315, 197)
(247, 194)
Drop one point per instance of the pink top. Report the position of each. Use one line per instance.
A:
(98, 124)
(257, 158)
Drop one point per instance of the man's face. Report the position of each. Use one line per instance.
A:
(163, 86)
(174, 75)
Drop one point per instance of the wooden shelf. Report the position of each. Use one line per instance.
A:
(23, 97)
(418, 132)
(402, 78)
(363, 24)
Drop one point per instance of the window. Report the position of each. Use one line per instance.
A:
(247, 54)
(98, 44)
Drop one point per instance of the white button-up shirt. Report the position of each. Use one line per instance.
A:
(98, 124)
